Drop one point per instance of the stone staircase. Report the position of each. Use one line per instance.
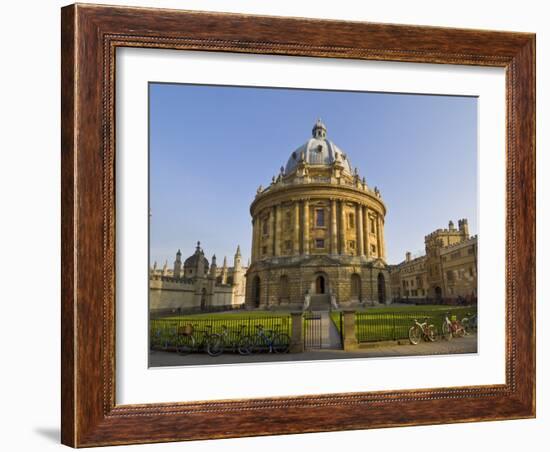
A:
(320, 302)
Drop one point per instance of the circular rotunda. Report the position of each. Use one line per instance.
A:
(318, 234)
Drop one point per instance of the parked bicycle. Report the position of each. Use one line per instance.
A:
(452, 328)
(194, 340)
(220, 342)
(164, 338)
(470, 322)
(270, 341)
(420, 331)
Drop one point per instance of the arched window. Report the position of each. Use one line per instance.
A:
(355, 287)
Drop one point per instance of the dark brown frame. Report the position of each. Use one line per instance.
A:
(90, 34)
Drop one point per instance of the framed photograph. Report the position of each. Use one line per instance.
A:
(270, 231)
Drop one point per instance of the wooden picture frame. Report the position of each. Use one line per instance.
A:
(90, 36)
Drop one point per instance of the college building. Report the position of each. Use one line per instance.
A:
(196, 284)
(448, 270)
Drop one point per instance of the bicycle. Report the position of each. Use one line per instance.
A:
(269, 340)
(164, 338)
(194, 340)
(422, 331)
(470, 322)
(218, 342)
(452, 328)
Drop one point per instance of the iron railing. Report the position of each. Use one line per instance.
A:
(165, 329)
(372, 326)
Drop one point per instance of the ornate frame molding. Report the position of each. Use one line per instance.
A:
(90, 37)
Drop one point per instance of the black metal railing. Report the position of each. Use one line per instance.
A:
(371, 326)
(312, 330)
(162, 331)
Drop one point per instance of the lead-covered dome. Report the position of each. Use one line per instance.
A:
(193, 260)
(318, 150)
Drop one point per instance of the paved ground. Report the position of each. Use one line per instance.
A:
(466, 344)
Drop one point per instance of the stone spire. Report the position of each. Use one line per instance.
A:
(213, 267)
(177, 265)
(237, 260)
(224, 271)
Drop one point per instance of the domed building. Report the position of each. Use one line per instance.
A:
(318, 233)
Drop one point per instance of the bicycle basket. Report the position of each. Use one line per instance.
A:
(186, 330)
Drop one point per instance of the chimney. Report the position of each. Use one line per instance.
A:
(408, 256)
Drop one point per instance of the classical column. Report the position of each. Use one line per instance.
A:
(296, 227)
(342, 229)
(366, 231)
(278, 230)
(254, 239)
(333, 228)
(273, 231)
(378, 238)
(382, 240)
(360, 248)
(305, 229)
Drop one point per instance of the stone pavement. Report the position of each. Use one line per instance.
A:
(466, 344)
(330, 337)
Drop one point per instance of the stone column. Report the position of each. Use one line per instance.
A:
(273, 231)
(333, 228)
(378, 236)
(382, 240)
(305, 231)
(360, 248)
(254, 239)
(342, 229)
(297, 335)
(366, 231)
(350, 340)
(296, 227)
(278, 230)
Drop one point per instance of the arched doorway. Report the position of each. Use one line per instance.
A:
(320, 285)
(355, 287)
(256, 291)
(438, 294)
(381, 288)
(284, 292)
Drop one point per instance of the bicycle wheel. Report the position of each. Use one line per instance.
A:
(466, 324)
(258, 345)
(244, 347)
(415, 335)
(186, 344)
(281, 343)
(460, 331)
(432, 333)
(446, 331)
(214, 345)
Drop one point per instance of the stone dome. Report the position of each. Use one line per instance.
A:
(193, 260)
(318, 150)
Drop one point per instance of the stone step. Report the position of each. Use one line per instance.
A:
(320, 302)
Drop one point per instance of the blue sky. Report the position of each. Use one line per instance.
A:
(212, 146)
